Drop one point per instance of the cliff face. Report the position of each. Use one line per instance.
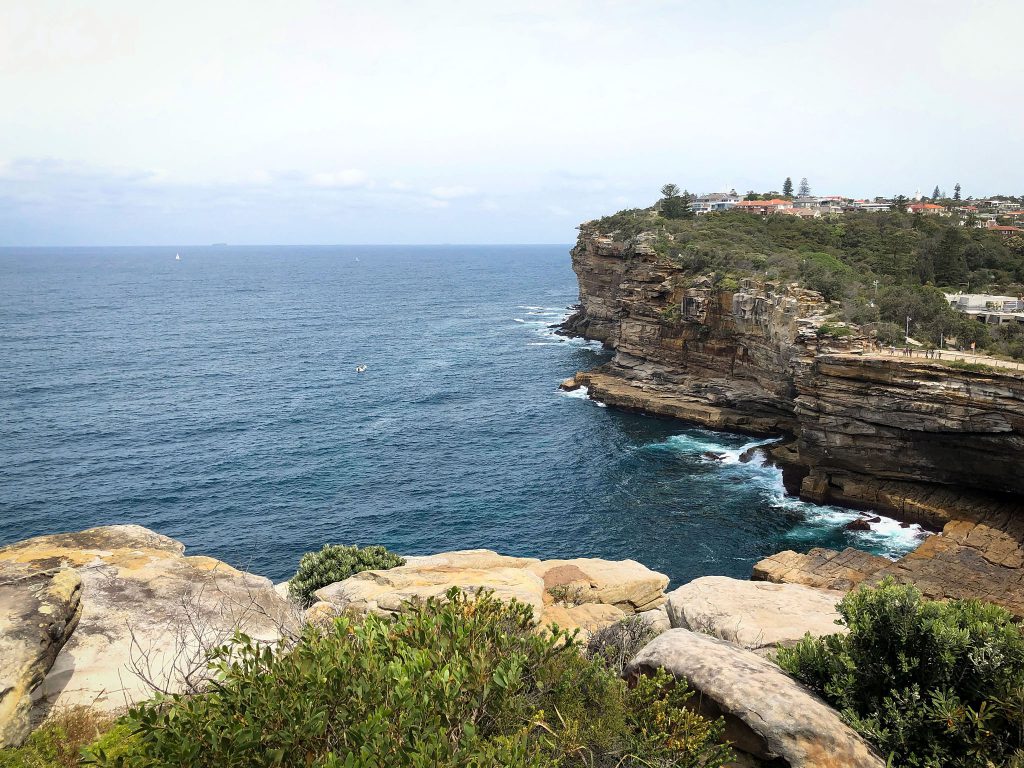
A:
(907, 436)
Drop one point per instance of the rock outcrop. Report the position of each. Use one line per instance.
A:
(584, 593)
(967, 560)
(39, 609)
(757, 616)
(911, 438)
(148, 612)
(768, 714)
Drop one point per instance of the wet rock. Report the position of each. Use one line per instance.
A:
(860, 524)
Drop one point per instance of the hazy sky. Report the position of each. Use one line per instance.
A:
(486, 121)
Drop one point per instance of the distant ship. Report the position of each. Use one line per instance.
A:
(177, 257)
(360, 368)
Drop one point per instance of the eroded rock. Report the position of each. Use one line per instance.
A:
(147, 610)
(767, 713)
(755, 615)
(39, 610)
(587, 593)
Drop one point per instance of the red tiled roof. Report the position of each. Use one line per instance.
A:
(761, 203)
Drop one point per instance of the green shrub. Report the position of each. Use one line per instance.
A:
(460, 682)
(836, 331)
(336, 563)
(936, 684)
(59, 741)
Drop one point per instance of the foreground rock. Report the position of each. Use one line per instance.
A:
(768, 714)
(758, 616)
(584, 593)
(147, 613)
(969, 559)
(38, 612)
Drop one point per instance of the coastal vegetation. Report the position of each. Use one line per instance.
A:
(466, 681)
(932, 684)
(336, 562)
(879, 267)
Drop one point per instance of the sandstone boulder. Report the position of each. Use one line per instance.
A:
(585, 593)
(657, 619)
(626, 584)
(39, 610)
(384, 592)
(148, 611)
(755, 615)
(588, 618)
(768, 714)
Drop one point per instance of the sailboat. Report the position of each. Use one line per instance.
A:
(177, 257)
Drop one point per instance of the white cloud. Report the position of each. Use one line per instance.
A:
(344, 179)
(450, 193)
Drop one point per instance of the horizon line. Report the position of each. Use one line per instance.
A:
(285, 245)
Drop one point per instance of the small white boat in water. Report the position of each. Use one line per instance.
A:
(360, 368)
(177, 257)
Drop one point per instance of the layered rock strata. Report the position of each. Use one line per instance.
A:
(908, 437)
(967, 560)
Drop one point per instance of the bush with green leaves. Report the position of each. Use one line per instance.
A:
(336, 563)
(933, 684)
(464, 681)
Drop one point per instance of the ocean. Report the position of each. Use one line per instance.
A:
(215, 399)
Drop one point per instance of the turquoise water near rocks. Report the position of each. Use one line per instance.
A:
(215, 400)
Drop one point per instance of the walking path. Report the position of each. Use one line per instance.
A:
(937, 355)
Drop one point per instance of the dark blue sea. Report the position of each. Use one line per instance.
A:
(215, 399)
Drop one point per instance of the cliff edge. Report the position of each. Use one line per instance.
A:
(915, 438)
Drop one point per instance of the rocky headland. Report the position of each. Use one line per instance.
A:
(912, 438)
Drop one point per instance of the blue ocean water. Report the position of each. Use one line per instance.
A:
(214, 399)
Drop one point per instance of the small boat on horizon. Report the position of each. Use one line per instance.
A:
(360, 368)
(177, 257)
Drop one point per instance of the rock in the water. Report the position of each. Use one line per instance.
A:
(767, 713)
(570, 384)
(626, 584)
(146, 609)
(755, 615)
(860, 524)
(39, 610)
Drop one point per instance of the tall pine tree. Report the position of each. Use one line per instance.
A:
(956, 191)
(805, 188)
(936, 193)
(787, 187)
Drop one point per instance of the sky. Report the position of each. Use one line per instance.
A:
(493, 121)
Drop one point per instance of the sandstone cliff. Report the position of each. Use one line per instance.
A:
(910, 437)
